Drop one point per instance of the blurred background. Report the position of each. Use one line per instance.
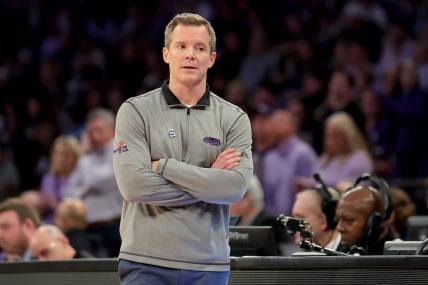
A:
(59, 60)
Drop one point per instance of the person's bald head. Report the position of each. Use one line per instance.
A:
(308, 206)
(353, 210)
(364, 199)
(308, 199)
(49, 243)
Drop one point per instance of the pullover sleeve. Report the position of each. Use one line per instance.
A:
(132, 165)
(217, 186)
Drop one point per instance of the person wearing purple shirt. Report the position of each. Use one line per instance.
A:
(290, 159)
(64, 158)
(345, 156)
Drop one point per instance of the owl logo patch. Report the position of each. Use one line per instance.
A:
(211, 141)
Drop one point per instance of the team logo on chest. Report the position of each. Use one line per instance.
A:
(211, 141)
(171, 133)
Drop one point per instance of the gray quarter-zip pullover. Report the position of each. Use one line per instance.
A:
(179, 217)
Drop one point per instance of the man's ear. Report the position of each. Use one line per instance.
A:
(165, 54)
(323, 222)
(213, 56)
(29, 223)
(28, 226)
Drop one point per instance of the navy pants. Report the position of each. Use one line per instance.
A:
(133, 273)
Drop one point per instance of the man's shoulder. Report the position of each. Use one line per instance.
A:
(150, 95)
(141, 103)
(219, 102)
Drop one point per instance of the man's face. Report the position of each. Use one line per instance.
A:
(351, 222)
(12, 237)
(263, 134)
(189, 55)
(281, 123)
(99, 133)
(44, 248)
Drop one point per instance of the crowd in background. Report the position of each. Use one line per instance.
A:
(335, 87)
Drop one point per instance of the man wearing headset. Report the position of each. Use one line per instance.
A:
(309, 206)
(362, 222)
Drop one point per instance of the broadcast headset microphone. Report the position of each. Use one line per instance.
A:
(293, 225)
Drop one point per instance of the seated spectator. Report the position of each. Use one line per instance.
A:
(251, 208)
(64, 158)
(345, 155)
(362, 221)
(407, 107)
(340, 98)
(290, 159)
(263, 135)
(49, 243)
(70, 218)
(95, 184)
(309, 206)
(34, 199)
(378, 131)
(9, 176)
(18, 223)
(402, 208)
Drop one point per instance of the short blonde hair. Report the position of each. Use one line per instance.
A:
(72, 211)
(189, 19)
(346, 124)
(70, 143)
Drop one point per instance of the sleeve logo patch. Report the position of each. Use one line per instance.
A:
(121, 147)
(211, 141)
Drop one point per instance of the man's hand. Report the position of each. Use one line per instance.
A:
(155, 164)
(227, 159)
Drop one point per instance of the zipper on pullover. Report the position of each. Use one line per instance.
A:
(186, 136)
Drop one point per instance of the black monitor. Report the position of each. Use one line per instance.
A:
(252, 241)
(417, 228)
(400, 247)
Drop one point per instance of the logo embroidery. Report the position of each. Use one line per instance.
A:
(211, 141)
(121, 147)
(171, 133)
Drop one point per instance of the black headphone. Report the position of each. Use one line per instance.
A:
(375, 222)
(329, 203)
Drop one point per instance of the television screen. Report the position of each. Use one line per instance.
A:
(400, 247)
(252, 241)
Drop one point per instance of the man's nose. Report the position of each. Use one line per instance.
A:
(190, 53)
(340, 227)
